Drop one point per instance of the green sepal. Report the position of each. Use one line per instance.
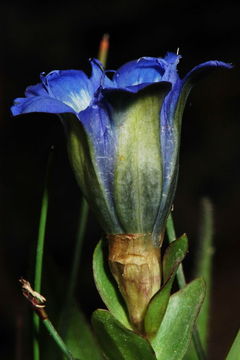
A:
(117, 342)
(235, 348)
(172, 339)
(157, 308)
(107, 286)
(138, 169)
(173, 256)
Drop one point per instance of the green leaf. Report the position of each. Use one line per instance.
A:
(117, 342)
(156, 309)
(138, 168)
(174, 254)
(173, 337)
(235, 349)
(107, 286)
(78, 336)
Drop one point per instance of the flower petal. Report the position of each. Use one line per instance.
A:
(170, 73)
(72, 87)
(39, 104)
(131, 89)
(36, 90)
(143, 70)
(98, 76)
(92, 162)
(99, 129)
(171, 118)
(202, 70)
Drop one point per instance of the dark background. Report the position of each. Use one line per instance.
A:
(41, 36)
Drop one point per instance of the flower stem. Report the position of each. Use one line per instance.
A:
(84, 210)
(39, 256)
(181, 283)
(198, 344)
(57, 338)
(171, 237)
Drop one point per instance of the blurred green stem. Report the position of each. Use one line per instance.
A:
(204, 263)
(84, 210)
(181, 283)
(56, 337)
(39, 256)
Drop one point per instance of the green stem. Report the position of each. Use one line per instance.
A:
(203, 263)
(67, 304)
(36, 349)
(181, 283)
(39, 256)
(57, 338)
(84, 210)
(198, 344)
(171, 237)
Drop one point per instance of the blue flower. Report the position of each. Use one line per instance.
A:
(123, 135)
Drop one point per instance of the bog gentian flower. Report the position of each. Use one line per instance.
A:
(123, 138)
(123, 135)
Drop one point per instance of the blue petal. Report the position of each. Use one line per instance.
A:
(181, 88)
(171, 116)
(72, 87)
(39, 104)
(172, 58)
(97, 70)
(99, 129)
(169, 105)
(143, 70)
(178, 97)
(170, 73)
(36, 90)
(98, 76)
(202, 69)
(129, 89)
